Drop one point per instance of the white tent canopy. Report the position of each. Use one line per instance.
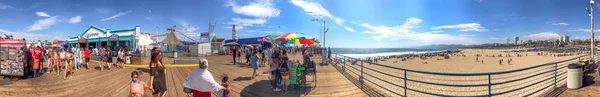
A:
(144, 40)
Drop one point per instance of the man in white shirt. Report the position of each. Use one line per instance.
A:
(202, 82)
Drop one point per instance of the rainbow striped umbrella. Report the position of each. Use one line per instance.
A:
(290, 36)
(300, 41)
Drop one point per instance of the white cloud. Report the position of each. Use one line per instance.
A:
(117, 15)
(4, 6)
(543, 36)
(42, 14)
(583, 30)
(44, 23)
(463, 27)
(75, 20)
(495, 38)
(148, 18)
(349, 29)
(258, 8)
(29, 35)
(240, 23)
(434, 32)
(405, 31)
(465, 35)
(561, 24)
(315, 9)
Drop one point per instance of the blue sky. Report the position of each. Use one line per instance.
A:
(351, 23)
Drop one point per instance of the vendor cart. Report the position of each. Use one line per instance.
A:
(12, 58)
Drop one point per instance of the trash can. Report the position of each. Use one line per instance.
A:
(174, 54)
(128, 59)
(574, 76)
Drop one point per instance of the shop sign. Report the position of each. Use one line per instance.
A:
(114, 37)
(92, 34)
(82, 40)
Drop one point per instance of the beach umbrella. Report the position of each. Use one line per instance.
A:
(231, 44)
(290, 36)
(300, 41)
(272, 36)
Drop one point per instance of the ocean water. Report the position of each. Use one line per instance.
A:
(373, 52)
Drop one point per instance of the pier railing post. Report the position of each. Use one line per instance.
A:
(344, 67)
(405, 77)
(555, 75)
(489, 85)
(361, 74)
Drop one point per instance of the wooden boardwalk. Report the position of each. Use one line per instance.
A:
(115, 83)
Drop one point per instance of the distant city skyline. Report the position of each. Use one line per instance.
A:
(351, 23)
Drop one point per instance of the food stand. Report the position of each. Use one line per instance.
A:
(12, 57)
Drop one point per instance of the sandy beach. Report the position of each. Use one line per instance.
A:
(468, 63)
(458, 63)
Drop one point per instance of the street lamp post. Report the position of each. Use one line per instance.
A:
(324, 56)
(591, 14)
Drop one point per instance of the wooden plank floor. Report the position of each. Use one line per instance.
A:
(115, 83)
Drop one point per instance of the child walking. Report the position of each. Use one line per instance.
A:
(285, 70)
(137, 87)
(225, 82)
(275, 74)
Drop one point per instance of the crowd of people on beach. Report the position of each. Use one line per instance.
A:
(404, 57)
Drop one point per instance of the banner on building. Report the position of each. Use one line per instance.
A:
(82, 40)
(113, 37)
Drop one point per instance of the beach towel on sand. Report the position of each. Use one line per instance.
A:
(203, 81)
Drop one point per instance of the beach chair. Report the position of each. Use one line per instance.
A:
(310, 70)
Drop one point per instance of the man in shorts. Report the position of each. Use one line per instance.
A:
(87, 54)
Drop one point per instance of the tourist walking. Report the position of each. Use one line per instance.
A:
(285, 73)
(108, 57)
(201, 82)
(68, 62)
(121, 58)
(101, 53)
(56, 60)
(36, 61)
(254, 63)
(87, 54)
(76, 54)
(234, 54)
(158, 80)
(62, 58)
(137, 87)
(81, 57)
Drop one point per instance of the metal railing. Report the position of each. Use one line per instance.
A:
(359, 70)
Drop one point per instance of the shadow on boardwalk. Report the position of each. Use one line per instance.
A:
(367, 89)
